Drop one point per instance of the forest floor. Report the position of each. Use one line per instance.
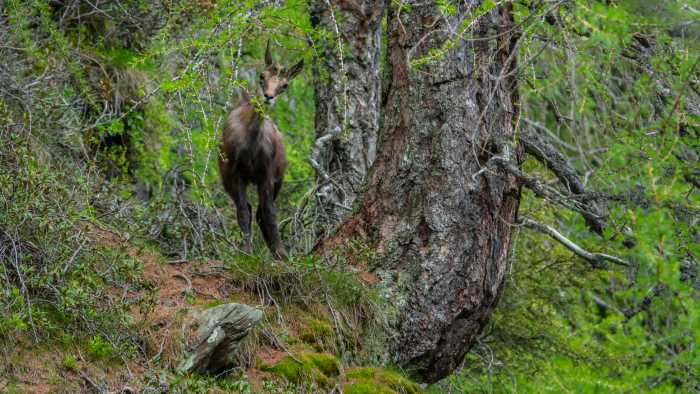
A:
(306, 354)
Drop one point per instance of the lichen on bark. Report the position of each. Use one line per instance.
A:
(346, 138)
(443, 236)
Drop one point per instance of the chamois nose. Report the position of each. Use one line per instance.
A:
(268, 97)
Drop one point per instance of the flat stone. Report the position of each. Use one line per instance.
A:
(220, 330)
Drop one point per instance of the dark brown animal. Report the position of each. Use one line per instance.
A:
(254, 153)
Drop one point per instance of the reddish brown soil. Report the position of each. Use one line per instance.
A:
(269, 356)
(45, 372)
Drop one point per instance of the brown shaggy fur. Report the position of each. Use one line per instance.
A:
(255, 153)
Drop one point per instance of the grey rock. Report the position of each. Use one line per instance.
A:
(221, 330)
(169, 303)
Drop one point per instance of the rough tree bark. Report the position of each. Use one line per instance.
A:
(442, 229)
(347, 161)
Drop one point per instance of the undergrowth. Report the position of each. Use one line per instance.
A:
(56, 279)
(101, 196)
(72, 247)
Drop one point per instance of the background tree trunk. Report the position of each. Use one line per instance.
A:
(346, 162)
(443, 236)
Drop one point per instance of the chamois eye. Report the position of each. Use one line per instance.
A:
(284, 86)
(262, 76)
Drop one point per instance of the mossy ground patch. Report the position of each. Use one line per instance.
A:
(373, 380)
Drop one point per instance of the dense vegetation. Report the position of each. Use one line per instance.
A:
(110, 116)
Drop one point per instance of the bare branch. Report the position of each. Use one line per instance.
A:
(554, 160)
(596, 220)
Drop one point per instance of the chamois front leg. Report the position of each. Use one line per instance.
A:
(267, 219)
(244, 213)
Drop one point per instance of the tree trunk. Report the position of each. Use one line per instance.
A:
(346, 161)
(443, 234)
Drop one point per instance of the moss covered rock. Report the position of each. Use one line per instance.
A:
(318, 368)
(372, 380)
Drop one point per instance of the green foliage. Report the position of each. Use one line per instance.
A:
(53, 259)
(98, 347)
(70, 363)
(587, 87)
(80, 146)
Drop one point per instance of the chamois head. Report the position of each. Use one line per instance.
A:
(274, 78)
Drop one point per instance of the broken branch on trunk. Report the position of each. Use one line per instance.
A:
(575, 192)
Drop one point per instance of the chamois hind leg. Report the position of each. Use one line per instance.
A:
(259, 215)
(263, 227)
(250, 215)
(267, 219)
(244, 213)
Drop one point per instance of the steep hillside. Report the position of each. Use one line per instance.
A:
(113, 314)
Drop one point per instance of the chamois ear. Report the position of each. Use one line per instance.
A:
(295, 70)
(268, 55)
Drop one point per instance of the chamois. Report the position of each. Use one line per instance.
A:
(254, 153)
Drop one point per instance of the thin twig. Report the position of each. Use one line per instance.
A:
(204, 294)
(98, 388)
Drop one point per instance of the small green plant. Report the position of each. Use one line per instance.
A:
(70, 363)
(149, 301)
(155, 376)
(13, 323)
(98, 347)
(132, 352)
(66, 339)
(238, 385)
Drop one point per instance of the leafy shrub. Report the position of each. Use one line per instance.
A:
(70, 363)
(54, 271)
(98, 347)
